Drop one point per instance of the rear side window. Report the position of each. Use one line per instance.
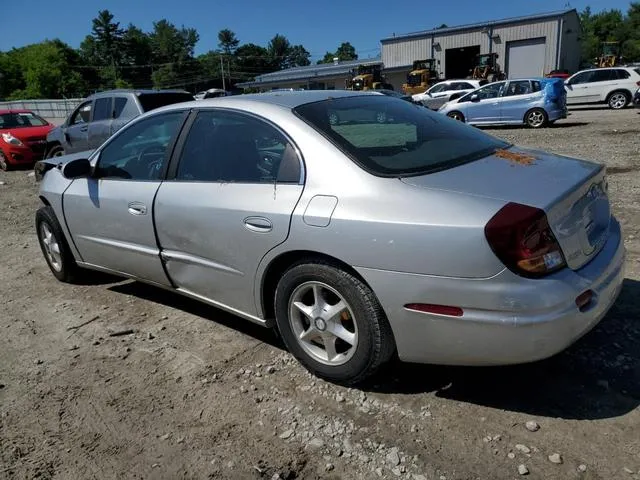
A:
(604, 75)
(230, 147)
(390, 137)
(151, 101)
(622, 74)
(637, 70)
(535, 86)
(102, 109)
(118, 106)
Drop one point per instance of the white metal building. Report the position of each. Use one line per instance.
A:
(526, 46)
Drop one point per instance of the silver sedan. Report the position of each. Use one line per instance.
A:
(357, 240)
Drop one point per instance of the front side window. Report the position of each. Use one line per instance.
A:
(583, 77)
(140, 151)
(441, 87)
(411, 140)
(102, 109)
(224, 146)
(493, 90)
(518, 87)
(82, 114)
(464, 86)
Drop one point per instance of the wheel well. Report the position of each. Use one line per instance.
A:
(620, 90)
(282, 263)
(50, 146)
(44, 200)
(458, 112)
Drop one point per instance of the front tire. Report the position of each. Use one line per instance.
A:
(54, 246)
(332, 322)
(618, 100)
(56, 151)
(4, 163)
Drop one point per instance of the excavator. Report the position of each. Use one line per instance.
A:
(422, 75)
(609, 56)
(487, 68)
(367, 77)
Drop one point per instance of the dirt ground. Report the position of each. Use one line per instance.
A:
(197, 393)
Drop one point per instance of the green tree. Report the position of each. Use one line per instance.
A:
(345, 52)
(278, 49)
(172, 49)
(298, 56)
(227, 41)
(107, 36)
(136, 57)
(251, 60)
(44, 70)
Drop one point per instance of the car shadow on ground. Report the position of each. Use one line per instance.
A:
(561, 124)
(200, 309)
(598, 377)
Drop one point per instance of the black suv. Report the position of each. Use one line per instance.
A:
(102, 114)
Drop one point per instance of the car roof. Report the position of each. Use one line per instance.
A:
(288, 100)
(14, 110)
(125, 91)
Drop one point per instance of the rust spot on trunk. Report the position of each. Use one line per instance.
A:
(515, 157)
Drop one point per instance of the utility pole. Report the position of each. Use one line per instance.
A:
(222, 73)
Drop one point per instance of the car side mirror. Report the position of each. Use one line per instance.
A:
(78, 168)
(475, 97)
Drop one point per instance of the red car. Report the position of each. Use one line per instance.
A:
(23, 138)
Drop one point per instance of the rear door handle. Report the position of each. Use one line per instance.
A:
(84, 129)
(258, 224)
(137, 208)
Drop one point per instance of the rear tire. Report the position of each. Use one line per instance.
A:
(315, 299)
(618, 100)
(54, 246)
(536, 118)
(456, 116)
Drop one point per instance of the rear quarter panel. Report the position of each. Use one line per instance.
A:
(382, 223)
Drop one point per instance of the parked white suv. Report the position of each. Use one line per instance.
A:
(613, 86)
(442, 92)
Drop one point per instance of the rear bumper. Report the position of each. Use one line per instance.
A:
(507, 319)
(556, 113)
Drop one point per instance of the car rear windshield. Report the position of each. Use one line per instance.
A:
(150, 101)
(391, 137)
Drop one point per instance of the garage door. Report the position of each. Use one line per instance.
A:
(526, 58)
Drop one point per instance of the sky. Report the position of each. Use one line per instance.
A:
(320, 27)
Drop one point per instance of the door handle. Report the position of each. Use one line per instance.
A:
(258, 224)
(84, 129)
(137, 208)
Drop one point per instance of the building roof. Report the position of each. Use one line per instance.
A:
(473, 26)
(309, 72)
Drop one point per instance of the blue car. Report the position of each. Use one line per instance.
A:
(535, 102)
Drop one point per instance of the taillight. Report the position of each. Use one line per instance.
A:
(521, 238)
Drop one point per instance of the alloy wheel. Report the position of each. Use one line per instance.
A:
(456, 116)
(323, 323)
(51, 247)
(535, 119)
(618, 101)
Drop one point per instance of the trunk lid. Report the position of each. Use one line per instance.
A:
(572, 192)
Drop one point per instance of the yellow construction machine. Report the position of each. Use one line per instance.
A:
(609, 56)
(487, 68)
(367, 77)
(422, 75)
